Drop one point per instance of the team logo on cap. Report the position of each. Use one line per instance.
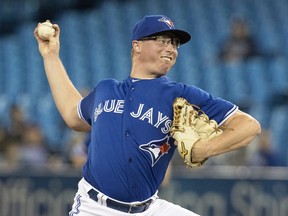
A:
(156, 149)
(167, 21)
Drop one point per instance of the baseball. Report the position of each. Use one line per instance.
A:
(45, 31)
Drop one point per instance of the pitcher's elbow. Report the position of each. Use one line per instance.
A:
(256, 126)
(79, 126)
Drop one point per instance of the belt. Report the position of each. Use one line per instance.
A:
(123, 207)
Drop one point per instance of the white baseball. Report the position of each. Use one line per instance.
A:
(45, 31)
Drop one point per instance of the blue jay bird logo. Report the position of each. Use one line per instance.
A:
(167, 21)
(156, 149)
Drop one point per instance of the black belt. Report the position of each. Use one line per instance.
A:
(128, 208)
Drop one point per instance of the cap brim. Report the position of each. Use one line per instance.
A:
(183, 36)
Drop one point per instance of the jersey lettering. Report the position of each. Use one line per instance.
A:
(117, 106)
(111, 108)
(160, 119)
(148, 115)
(136, 115)
(98, 110)
(167, 127)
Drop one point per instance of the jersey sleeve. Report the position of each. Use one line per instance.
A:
(85, 108)
(216, 108)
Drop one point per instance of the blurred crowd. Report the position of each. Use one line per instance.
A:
(23, 145)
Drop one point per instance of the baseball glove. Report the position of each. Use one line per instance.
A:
(190, 125)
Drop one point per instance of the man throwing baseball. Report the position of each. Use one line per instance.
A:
(130, 120)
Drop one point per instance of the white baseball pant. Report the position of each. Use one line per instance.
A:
(85, 206)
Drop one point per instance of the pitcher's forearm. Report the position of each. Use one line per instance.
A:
(247, 128)
(65, 95)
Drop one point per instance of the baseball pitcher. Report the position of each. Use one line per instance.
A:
(137, 124)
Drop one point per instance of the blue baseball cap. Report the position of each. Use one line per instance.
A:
(158, 24)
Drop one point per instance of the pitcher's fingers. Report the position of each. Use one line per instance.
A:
(36, 33)
(57, 30)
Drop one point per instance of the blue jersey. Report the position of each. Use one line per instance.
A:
(130, 146)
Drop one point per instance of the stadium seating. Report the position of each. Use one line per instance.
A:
(96, 44)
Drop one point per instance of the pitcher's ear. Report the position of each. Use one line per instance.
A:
(136, 45)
